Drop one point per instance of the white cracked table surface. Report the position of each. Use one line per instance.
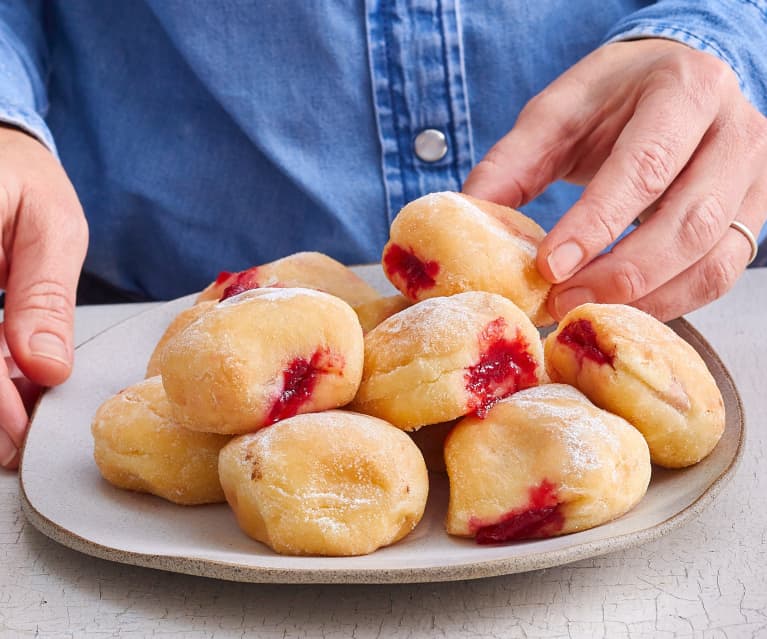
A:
(707, 579)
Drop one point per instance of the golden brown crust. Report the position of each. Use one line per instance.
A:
(138, 446)
(253, 358)
(335, 483)
(551, 463)
(372, 313)
(655, 380)
(179, 323)
(417, 361)
(303, 270)
(468, 245)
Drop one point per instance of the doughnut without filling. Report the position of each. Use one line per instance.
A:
(138, 446)
(334, 483)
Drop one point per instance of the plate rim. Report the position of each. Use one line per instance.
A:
(237, 572)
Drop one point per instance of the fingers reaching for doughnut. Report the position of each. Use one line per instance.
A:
(657, 126)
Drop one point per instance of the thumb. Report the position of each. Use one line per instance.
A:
(535, 153)
(45, 258)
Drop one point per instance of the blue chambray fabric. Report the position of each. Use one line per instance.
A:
(208, 136)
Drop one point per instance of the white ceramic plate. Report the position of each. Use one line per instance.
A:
(65, 497)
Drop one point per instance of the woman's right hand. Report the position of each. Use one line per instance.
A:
(44, 239)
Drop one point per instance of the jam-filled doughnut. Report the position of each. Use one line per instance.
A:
(179, 323)
(138, 446)
(447, 243)
(372, 313)
(331, 483)
(629, 363)
(261, 356)
(448, 356)
(544, 462)
(301, 270)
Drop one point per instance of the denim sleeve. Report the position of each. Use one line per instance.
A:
(733, 30)
(23, 56)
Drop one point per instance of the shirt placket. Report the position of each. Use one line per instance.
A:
(419, 90)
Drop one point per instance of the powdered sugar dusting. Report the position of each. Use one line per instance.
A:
(431, 316)
(441, 326)
(490, 223)
(271, 294)
(334, 473)
(582, 423)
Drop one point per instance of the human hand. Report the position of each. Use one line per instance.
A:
(44, 238)
(656, 129)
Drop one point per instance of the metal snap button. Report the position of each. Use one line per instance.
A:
(430, 145)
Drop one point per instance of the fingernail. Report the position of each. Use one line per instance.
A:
(564, 259)
(49, 346)
(572, 297)
(8, 449)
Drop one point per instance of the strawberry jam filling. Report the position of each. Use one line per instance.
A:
(540, 517)
(239, 282)
(416, 274)
(504, 367)
(299, 378)
(582, 338)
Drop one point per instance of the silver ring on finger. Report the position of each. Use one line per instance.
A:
(746, 232)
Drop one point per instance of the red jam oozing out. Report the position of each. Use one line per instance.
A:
(239, 283)
(223, 276)
(540, 517)
(299, 379)
(504, 367)
(582, 338)
(416, 274)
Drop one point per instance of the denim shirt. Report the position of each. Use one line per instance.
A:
(208, 136)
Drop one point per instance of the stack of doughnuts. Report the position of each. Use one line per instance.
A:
(281, 358)
(313, 405)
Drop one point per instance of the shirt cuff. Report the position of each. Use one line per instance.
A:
(30, 122)
(651, 29)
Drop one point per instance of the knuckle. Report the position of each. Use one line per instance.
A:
(702, 225)
(47, 296)
(717, 277)
(629, 283)
(701, 79)
(693, 70)
(651, 169)
(603, 228)
(495, 164)
(540, 105)
(547, 108)
(494, 159)
(711, 72)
